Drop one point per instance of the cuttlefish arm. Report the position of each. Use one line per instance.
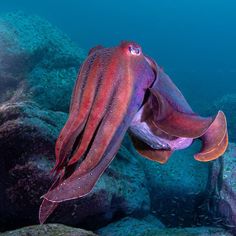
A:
(166, 123)
(108, 93)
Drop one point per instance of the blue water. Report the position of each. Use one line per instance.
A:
(194, 41)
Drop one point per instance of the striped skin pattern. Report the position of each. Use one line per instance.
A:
(120, 89)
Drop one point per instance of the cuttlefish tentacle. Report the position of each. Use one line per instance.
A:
(82, 78)
(47, 207)
(76, 185)
(80, 185)
(99, 110)
(108, 127)
(82, 101)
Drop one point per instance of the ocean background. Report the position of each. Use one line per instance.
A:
(194, 41)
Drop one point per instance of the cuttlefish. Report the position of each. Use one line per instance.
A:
(120, 89)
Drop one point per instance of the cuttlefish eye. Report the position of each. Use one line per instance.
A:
(135, 50)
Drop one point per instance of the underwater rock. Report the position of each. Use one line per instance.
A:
(221, 201)
(227, 203)
(49, 230)
(27, 140)
(135, 227)
(177, 187)
(27, 137)
(37, 61)
(131, 226)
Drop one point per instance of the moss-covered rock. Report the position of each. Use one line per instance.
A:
(49, 230)
(140, 227)
(27, 139)
(37, 61)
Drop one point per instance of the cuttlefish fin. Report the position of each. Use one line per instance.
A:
(215, 140)
(158, 155)
(168, 111)
(167, 118)
(171, 112)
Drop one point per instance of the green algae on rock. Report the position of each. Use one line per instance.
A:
(49, 230)
(37, 60)
(140, 227)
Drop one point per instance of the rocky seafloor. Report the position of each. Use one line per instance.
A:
(38, 68)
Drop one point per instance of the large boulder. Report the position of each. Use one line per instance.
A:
(37, 61)
(27, 137)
